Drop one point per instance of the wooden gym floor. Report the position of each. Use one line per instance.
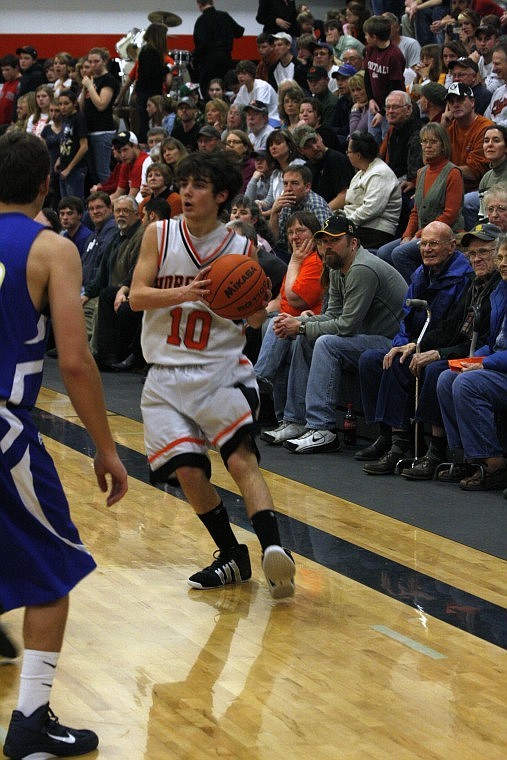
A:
(394, 647)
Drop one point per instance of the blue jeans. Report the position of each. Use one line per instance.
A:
(469, 401)
(74, 184)
(273, 364)
(315, 376)
(405, 258)
(99, 147)
(422, 22)
(471, 210)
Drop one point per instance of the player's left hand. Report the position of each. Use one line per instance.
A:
(110, 464)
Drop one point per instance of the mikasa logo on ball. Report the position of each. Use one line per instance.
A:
(239, 282)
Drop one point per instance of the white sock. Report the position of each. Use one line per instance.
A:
(36, 680)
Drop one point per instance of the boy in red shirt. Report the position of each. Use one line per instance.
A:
(384, 65)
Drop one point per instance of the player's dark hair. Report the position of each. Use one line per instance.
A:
(24, 166)
(218, 169)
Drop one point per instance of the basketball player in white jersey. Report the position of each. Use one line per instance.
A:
(201, 389)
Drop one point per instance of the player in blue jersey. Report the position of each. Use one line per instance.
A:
(41, 555)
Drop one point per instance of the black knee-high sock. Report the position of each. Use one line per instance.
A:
(265, 525)
(216, 522)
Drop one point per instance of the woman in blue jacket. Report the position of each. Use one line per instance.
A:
(471, 399)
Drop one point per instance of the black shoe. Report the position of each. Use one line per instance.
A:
(424, 469)
(377, 449)
(386, 465)
(131, 362)
(41, 735)
(230, 566)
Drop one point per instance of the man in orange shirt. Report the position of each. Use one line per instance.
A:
(466, 131)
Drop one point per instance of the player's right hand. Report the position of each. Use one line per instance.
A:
(198, 289)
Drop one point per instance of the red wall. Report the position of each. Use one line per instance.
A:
(79, 44)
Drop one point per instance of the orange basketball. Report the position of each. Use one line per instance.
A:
(238, 286)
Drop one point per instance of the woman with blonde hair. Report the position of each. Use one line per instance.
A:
(25, 108)
(62, 63)
(358, 119)
(215, 113)
(40, 117)
(171, 151)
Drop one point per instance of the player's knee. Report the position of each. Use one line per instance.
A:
(190, 476)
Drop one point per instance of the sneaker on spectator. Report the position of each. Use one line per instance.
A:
(314, 441)
(283, 432)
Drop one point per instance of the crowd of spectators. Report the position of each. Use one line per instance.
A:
(372, 145)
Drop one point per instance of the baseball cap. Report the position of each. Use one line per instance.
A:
(258, 106)
(482, 232)
(487, 29)
(283, 36)
(435, 93)
(459, 89)
(209, 131)
(187, 88)
(28, 50)
(125, 138)
(188, 101)
(317, 72)
(314, 45)
(303, 134)
(467, 63)
(259, 153)
(336, 226)
(344, 70)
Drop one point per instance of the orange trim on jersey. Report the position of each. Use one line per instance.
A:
(153, 457)
(214, 253)
(234, 425)
(246, 361)
(163, 241)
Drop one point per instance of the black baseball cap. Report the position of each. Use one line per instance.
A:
(336, 226)
(467, 63)
(29, 50)
(317, 72)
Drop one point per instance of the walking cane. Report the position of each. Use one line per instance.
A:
(416, 303)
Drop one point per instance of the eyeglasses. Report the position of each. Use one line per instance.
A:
(479, 253)
(395, 108)
(234, 142)
(499, 209)
(433, 243)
